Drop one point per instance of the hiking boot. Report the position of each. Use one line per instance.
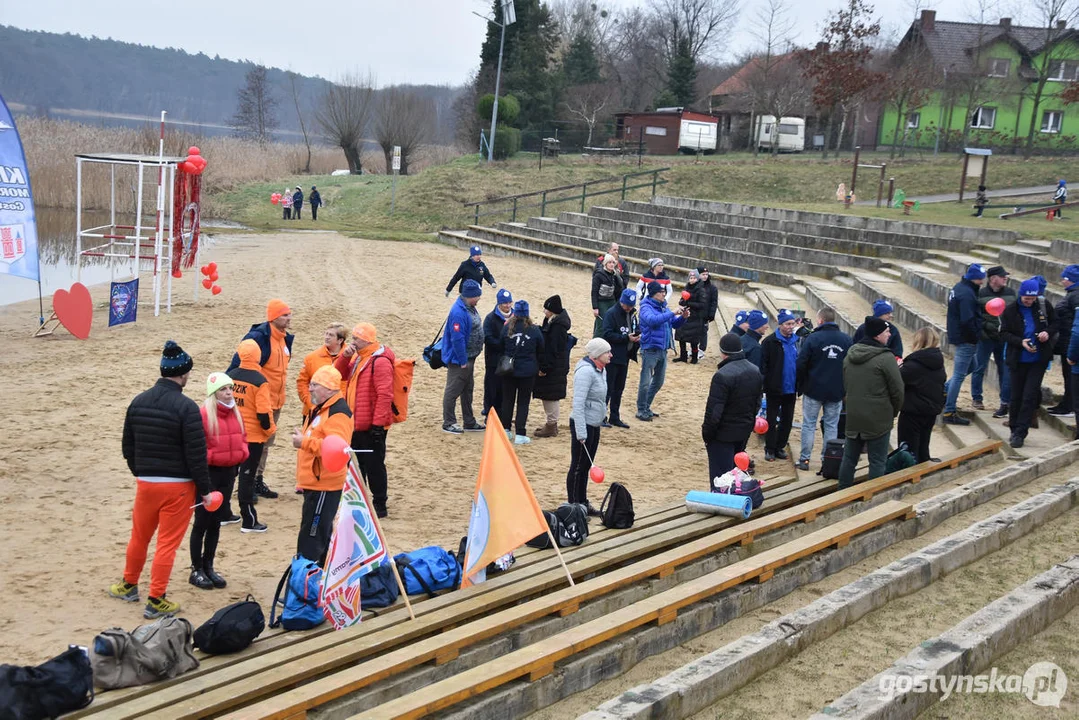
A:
(617, 422)
(782, 455)
(262, 490)
(1015, 441)
(1059, 410)
(522, 440)
(160, 607)
(549, 429)
(453, 429)
(198, 579)
(380, 510)
(978, 405)
(769, 456)
(802, 465)
(1002, 411)
(955, 419)
(592, 511)
(123, 591)
(251, 522)
(232, 520)
(218, 581)
(474, 427)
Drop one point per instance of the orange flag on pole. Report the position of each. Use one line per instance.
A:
(505, 514)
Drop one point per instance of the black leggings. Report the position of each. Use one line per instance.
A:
(915, 430)
(517, 389)
(207, 527)
(248, 472)
(372, 464)
(579, 464)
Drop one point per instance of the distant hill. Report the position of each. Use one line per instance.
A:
(50, 71)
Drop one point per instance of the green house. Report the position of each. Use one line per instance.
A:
(972, 84)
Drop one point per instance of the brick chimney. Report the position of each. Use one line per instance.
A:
(1006, 23)
(929, 20)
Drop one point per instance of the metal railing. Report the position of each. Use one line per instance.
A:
(574, 193)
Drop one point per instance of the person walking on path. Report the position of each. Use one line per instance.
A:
(586, 418)
(731, 410)
(820, 382)
(874, 397)
(297, 203)
(1029, 328)
(254, 399)
(712, 293)
(553, 363)
(286, 204)
(980, 201)
(694, 327)
(883, 310)
(321, 487)
(622, 332)
(472, 269)
(607, 286)
(315, 199)
(492, 349)
(165, 449)
(1073, 363)
(1060, 196)
(964, 330)
(523, 342)
(461, 345)
(275, 344)
(757, 323)
(226, 448)
(989, 342)
(366, 368)
(1065, 312)
(924, 378)
(332, 342)
(656, 324)
(779, 366)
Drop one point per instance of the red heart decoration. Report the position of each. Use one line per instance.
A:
(74, 310)
(213, 277)
(212, 267)
(207, 283)
(216, 289)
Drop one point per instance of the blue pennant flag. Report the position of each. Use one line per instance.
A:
(18, 228)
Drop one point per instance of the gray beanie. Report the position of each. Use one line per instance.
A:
(596, 347)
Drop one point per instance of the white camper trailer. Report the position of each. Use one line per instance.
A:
(788, 135)
(695, 136)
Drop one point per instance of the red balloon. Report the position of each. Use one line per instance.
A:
(187, 168)
(193, 150)
(212, 267)
(207, 283)
(334, 453)
(205, 269)
(216, 289)
(741, 461)
(597, 474)
(995, 307)
(273, 200)
(177, 273)
(213, 501)
(760, 426)
(686, 295)
(213, 276)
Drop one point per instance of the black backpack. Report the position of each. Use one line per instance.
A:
(59, 686)
(232, 628)
(616, 512)
(833, 458)
(378, 588)
(568, 524)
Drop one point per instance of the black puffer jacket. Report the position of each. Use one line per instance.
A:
(1013, 330)
(733, 399)
(164, 437)
(554, 360)
(923, 382)
(692, 330)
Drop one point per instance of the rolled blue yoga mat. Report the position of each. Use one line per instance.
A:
(719, 503)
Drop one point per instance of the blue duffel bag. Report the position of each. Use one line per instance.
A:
(428, 570)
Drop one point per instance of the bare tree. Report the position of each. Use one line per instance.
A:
(587, 102)
(634, 60)
(344, 112)
(908, 84)
(404, 119)
(256, 107)
(775, 84)
(704, 23)
(1056, 60)
(299, 117)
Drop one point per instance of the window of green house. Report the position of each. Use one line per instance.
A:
(999, 67)
(983, 118)
(914, 120)
(1051, 121)
(1064, 70)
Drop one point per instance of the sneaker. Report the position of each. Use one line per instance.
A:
(125, 592)
(453, 429)
(653, 414)
(262, 490)
(198, 579)
(1016, 441)
(955, 419)
(679, 359)
(802, 465)
(255, 527)
(215, 577)
(769, 456)
(232, 520)
(1002, 411)
(474, 427)
(619, 424)
(521, 440)
(781, 455)
(978, 405)
(605, 424)
(1059, 410)
(592, 511)
(643, 418)
(160, 607)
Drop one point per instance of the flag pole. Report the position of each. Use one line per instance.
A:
(378, 528)
(554, 544)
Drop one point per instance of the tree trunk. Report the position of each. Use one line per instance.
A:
(352, 155)
(828, 133)
(388, 154)
(842, 132)
(1037, 101)
(895, 135)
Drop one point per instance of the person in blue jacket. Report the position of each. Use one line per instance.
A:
(297, 203)
(472, 269)
(757, 323)
(964, 330)
(492, 349)
(461, 345)
(741, 323)
(656, 325)
(820, 381)
(316, 202)
(1073, 361)
(524, 342)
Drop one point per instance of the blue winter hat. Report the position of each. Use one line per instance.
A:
(741, 316)
(471, 289)
(1071, 273)
(475, 250)
(784, 316)
(654, 287)
(629, 297)
(881, 307)
(1042, 284)
(174, 361)
(974, 272)
(1029, 288)
(1061, 183)
(503, 297)
(757, 319)
(520, 308)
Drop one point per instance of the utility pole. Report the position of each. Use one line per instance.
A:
(509, 16)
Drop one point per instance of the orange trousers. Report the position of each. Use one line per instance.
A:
(164, 508)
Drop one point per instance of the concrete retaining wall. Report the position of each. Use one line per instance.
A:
(1053, 293)
(1066, 250)
(816, 301)
(905, 316)
(1027, 264)
(935, 291)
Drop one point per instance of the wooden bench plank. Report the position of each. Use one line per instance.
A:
(543, 654)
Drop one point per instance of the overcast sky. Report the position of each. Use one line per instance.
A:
(415, 41)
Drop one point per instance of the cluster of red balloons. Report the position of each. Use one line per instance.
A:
(210, 278)
(275, 198)
(995, 307)
(195, 163)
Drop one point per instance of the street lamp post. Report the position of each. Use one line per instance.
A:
(509, 16)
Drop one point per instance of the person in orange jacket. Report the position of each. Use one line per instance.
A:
(322, 488)
(254, 400)
(367, 380)
(275, 343)
(332, 342)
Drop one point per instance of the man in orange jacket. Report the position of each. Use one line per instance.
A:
(333, 340)
(322, 488)
(275, 342)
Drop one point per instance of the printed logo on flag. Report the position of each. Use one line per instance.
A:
(12, 243)
(123, 302)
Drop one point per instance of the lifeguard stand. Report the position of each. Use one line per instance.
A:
(164, 244)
